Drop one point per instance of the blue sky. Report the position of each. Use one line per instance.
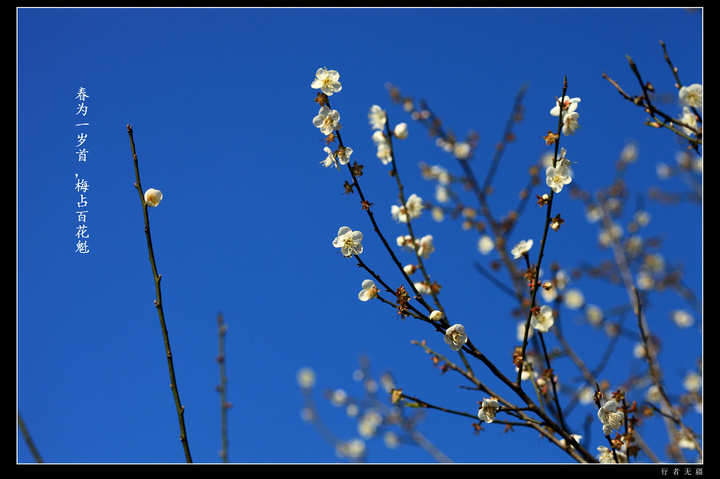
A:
(221, 107)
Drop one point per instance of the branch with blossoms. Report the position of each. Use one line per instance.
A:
(689, 125)
(376, 418)
(558, 174)
(151, 198)
(547, 411)
(350, 241)
(549, 288)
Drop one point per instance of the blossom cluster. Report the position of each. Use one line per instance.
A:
(412, 209)
(565, 108)
(424, 246)
(692, 98)
(327, 119)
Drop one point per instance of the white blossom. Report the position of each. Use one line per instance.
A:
(594, 314)
(306, 378)
(377, 117)
(348, 241)
(461, 150)
(521, 248)
(330, 160)
(442, 194)
(401, 131)
(368, 423)
(557, 177)
(327, 81)
(606, 456)
(570, 123)
(327, 120)
(412, 209)
(543, 320)
(692, 381)
(384, 152)
(574, 299)
(568, 105)
(688, 118)
(485, 244)
(610, 416)
(691, 95)
(153, 197)
(488, 410)
(369, 290)
(353, 449)
(343, 155)
(422, 287)
(455, 336)
(682, 318)
(629, 153)
(426, 246)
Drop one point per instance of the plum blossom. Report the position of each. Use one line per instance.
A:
(455, 336)
(369, 290)
(570, 123)
(327, 81)
(343, 155)
(353, 449)
(400, 131)
(348, 241)
(488, 410)
(153, 197)
(565, 108)
(682, 318)
(565, 104)
(330, 160)
(405, 242)
(377, 117)
(412, 209)
(691, 95)
(606, 456)
(422, 287)
(384, 151)
(688, 118)
(486, 244)
(410, 269)
(610, 416)
(574, 298)
(543, 320)
(327, 120)
(521, 248)
(426, 246)
(462, 150)
(557, 177)
(306, 378)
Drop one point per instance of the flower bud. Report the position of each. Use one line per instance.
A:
(153, 197)
(401, 131)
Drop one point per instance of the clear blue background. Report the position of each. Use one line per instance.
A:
(221, 107)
